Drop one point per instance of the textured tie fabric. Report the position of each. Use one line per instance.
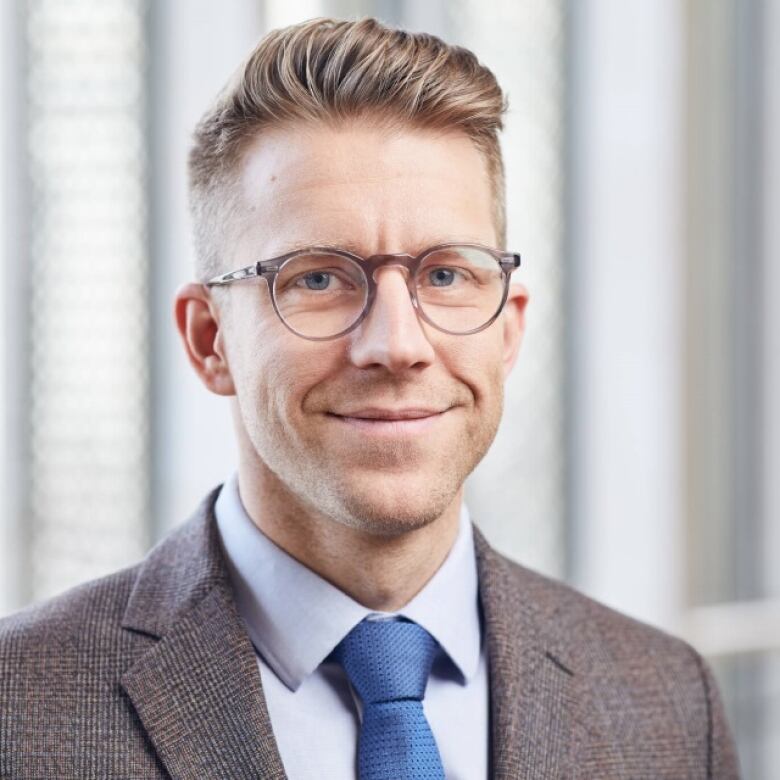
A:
(388, 663)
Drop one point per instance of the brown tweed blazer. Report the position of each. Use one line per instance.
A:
(148, 673)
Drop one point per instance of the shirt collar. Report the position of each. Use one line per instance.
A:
(295, 618)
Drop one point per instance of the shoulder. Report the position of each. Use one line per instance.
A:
(596, 639)
(591, 632)
(60, 659)
(63, 660)
(183, 564)
(631, 677)
(72, 626)
(61, 663)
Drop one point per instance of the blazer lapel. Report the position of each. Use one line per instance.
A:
(534, 689)
(197, 689)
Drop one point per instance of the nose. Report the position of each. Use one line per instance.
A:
(392, 335)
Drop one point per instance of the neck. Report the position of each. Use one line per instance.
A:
(382, 573)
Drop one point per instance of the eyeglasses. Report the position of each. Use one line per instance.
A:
(323, 292)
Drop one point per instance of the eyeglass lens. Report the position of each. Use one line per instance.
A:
(320, 295)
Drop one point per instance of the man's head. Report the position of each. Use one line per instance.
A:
(353, 135)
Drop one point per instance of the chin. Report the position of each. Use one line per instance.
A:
(387, 506)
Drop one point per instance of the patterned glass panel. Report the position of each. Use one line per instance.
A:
(88, 401)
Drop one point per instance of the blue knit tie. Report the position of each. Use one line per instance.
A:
(388, 663)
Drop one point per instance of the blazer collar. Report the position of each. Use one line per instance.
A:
(198, 694)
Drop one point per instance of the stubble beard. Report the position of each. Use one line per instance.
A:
(379, 490)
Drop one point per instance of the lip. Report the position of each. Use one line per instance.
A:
(376, 413)
(391, 422)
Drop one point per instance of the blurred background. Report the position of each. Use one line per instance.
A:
(640, 451)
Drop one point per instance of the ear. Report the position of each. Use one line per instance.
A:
(198, 322)
(513, 323)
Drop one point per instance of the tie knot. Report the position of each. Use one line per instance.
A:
(387, 660)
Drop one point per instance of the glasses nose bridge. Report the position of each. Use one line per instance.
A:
(396, 259)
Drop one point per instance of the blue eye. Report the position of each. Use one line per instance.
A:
(317, 280)
(442, 277)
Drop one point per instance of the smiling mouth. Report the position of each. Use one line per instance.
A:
(390, 421)
(407, 413)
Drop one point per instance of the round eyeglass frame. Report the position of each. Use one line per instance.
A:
(268, 270)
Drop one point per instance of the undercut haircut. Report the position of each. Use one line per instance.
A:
(331, 71)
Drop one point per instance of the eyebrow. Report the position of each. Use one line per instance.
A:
(350, 246)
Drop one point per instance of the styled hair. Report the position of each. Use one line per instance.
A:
(326, 70)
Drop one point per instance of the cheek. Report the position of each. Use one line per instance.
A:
(476, 361)
(250, 377)
(277, 378)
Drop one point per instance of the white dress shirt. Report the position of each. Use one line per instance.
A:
(295, 618)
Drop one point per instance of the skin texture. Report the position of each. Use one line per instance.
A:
(371, 507)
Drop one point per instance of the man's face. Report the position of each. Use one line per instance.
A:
(327, 421)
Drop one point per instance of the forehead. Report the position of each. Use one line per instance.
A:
(375, 188)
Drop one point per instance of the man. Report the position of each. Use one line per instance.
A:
(331, 612)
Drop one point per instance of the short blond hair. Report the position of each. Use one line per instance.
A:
(330, 71)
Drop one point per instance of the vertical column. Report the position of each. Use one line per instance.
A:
(771, 293)
(770, 457)
(14, 527)
(627, 266)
